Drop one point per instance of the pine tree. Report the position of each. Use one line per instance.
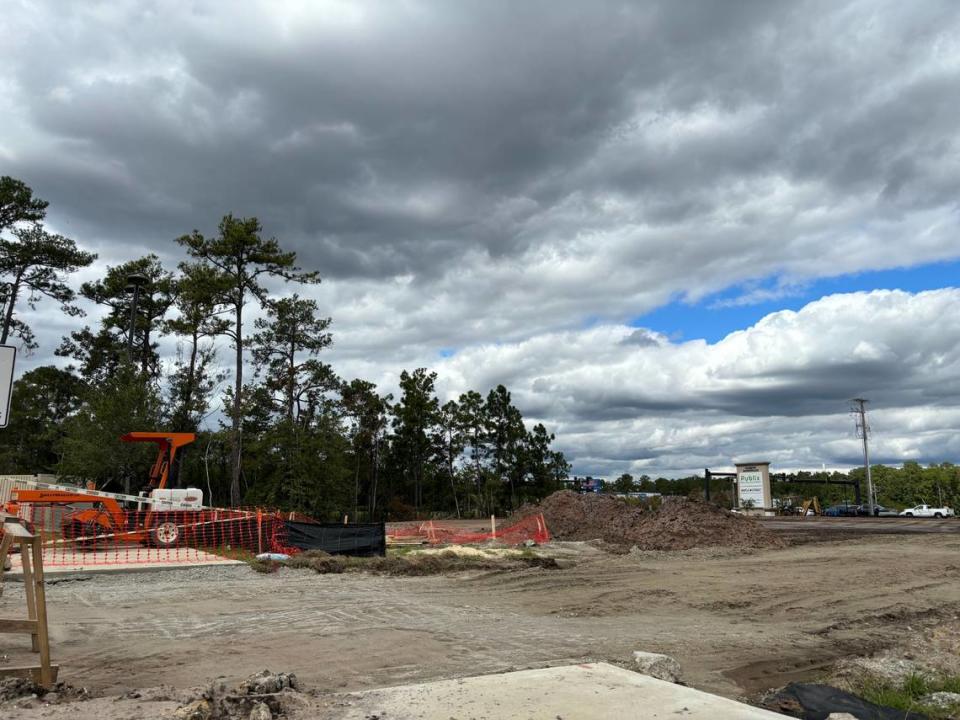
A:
(242, 257)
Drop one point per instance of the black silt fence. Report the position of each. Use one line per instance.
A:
(361, 539)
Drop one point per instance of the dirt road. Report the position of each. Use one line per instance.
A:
(736, 622)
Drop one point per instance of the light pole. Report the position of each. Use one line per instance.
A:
(135, 281)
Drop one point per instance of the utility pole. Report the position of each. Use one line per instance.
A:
(859, 411)
(135, 282)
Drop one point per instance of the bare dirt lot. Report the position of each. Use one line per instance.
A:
(738, 622)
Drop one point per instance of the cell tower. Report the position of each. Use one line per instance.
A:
(859, 412)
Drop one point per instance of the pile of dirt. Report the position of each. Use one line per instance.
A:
(677, 524)
(442, 562)
(26, 693)
(263, 696)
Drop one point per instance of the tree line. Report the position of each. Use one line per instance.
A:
(895, 487)
(290, 434)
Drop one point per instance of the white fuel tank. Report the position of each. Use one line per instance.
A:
(177, 499)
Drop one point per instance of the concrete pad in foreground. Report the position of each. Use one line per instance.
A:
(119, 560)
(572, 692)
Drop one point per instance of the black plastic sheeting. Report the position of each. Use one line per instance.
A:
(815, 702)
(363, 539)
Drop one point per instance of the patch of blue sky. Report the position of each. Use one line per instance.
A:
(447, 352)
(714, 317)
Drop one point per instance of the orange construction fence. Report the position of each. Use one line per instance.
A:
(530, 528)
(135, 537)
(81, 539)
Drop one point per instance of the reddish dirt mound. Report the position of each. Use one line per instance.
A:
(678, 524)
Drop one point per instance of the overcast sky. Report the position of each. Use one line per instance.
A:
(681, 233)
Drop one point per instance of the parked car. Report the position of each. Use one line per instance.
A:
(927, 511)
(878, 511)
(841, 511)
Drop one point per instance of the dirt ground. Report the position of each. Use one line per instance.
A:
(737, 622)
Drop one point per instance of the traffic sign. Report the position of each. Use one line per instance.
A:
(8, 353)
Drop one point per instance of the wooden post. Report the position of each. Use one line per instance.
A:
(40, 598)
(31, 557)
(493, 526)
(5, 544)
(29, 589)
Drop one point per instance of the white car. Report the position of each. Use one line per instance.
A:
(927, 511)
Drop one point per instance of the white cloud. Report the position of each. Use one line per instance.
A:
(780, 388)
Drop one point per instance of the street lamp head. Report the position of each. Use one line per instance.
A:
(136, 280)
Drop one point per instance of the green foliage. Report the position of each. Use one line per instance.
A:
(366, 414)
(91, 449)
(415, 418)
(42, 402)
(18, 205)
(101, 353)
(908, 694)
(301, 468)
(33, 266)
(291, 329)
(895, 487)
(237, 258)
(506, 435)
(308, 441)
(623, 484)
(197, 323)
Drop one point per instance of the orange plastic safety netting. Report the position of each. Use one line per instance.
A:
(86, 537)
(530, 528)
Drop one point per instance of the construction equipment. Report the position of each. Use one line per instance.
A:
(811, 504)
(162, 522)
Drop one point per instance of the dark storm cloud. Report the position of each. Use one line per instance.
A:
(340, 137)
(643, 338)
(384, 143)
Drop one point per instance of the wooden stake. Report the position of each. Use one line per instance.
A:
(40, 595)
(31, 559)
(29, 590)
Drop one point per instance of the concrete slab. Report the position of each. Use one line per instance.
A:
(56, 563)
(572, 692)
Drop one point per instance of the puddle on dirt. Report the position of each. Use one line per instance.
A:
(762, 675)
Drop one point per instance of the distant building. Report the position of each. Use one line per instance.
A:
(640, 495)
(585, 484)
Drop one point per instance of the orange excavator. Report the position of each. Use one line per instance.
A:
(161, 524)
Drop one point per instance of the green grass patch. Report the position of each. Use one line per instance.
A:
(908, 695)
(402, 550)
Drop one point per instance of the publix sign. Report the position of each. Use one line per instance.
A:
(753, 485)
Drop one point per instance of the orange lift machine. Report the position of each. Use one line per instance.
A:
(168, 511)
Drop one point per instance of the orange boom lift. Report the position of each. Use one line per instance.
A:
(108, 517)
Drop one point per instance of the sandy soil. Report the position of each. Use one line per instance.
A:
(737, 622)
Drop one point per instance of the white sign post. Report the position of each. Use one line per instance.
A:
(8, 354)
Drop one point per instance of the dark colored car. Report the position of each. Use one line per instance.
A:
(878, 511)
(841, 511)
